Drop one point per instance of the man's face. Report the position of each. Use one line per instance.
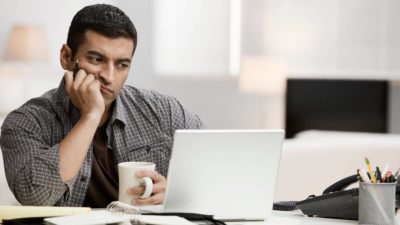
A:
(108, 59)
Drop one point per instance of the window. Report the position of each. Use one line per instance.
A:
(350, 37)
(197, 37)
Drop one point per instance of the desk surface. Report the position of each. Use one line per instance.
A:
(287, 218)
(278, 218)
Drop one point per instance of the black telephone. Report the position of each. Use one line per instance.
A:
(336, 202)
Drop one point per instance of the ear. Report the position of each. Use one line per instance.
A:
(66, 57)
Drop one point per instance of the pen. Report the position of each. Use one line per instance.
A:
(364, 176)
(385, 169)
(373, 180)
(397, 173)
(378, 175)
(387, 176)
(76, 69)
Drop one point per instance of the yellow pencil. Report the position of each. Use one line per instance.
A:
(373, 180)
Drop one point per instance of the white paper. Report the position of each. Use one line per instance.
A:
(92, 218)
(105, 217)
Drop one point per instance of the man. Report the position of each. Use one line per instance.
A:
(63, 147)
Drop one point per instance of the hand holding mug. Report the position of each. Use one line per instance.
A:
(157, 196)
(128, 180)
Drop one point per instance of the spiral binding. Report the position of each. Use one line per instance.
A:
(123, 209)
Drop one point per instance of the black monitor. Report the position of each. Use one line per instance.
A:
(333, 104)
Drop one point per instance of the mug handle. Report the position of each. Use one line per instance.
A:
(148, 183)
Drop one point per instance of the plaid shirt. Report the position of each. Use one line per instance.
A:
(141, 128)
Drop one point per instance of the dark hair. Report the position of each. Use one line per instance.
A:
(105, 19)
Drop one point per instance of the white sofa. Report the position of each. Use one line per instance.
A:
(310, 162)
(314, 160)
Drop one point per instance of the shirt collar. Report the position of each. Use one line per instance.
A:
(119, 111)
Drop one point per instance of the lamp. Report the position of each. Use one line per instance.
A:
(26, 45)
(260, 75)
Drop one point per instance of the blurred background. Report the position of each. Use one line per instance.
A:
(227, 60)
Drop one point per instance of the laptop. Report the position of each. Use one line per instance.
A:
(230, 174)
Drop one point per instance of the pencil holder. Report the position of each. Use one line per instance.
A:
(377, 203)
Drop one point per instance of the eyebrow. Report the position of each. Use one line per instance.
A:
(93, 52)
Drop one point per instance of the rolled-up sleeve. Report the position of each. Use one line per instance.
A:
(31, 164)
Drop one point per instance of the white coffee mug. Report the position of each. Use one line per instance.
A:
(128, 179)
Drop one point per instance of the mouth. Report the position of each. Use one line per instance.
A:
(106, 90)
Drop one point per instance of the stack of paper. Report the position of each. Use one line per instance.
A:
(14, 212)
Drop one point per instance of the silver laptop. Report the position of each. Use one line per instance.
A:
(230, 174)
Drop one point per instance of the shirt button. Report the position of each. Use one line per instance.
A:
(83, 178)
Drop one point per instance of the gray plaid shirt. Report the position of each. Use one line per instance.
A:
(141, 128)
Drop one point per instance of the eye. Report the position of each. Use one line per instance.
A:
(95, 59)
(123, 65)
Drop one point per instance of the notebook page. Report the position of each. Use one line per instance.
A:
(164, 220)
(106, 217)
(93, 218)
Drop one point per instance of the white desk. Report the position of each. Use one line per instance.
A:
(289, 218)
(280, 218)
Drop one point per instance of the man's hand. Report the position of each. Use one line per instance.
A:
(85, 93)
(157, 196)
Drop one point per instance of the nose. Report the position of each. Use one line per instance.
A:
(106, 75)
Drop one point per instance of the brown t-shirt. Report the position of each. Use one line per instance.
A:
(103, 186)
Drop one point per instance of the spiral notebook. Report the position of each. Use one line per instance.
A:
(117, 212)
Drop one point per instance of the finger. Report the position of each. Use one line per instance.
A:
(153, 200)
(68, 78)
(154, 175)
(79, 76)
(139, 190)
(159, 187)
(94, 85)
(87, 80)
